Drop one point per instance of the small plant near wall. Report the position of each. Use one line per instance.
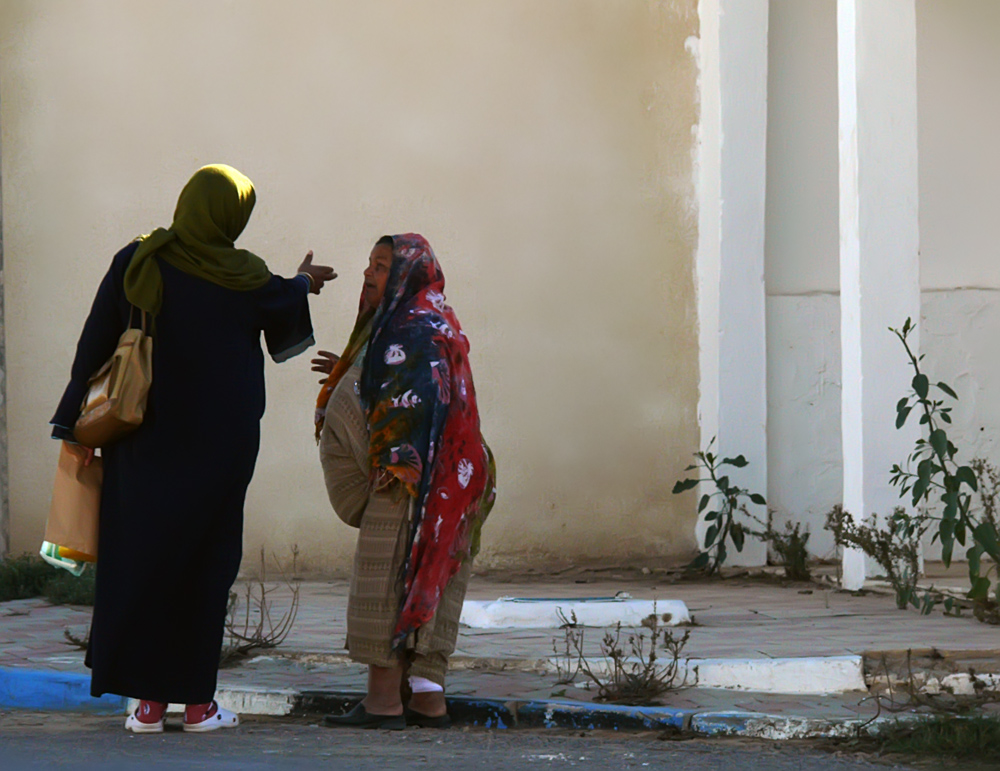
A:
(988, 477)
(895, 547)
(636, 670)
(934, 480)
(790, 547)
(723, 503)
(250, 626)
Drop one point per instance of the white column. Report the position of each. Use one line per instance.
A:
(731, 305)
(879, 241)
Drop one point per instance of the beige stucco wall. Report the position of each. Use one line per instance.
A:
(545, 149)
(958, 42)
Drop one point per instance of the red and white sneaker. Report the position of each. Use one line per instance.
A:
(215, 717)
(140, 721)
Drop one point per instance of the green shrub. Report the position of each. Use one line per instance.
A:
(790, 547)
(931, 474)
(29, 576)
(23, 577)
(958, 737)
(727, 501)
(66, 589)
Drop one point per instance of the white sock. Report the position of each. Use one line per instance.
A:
(423, 685)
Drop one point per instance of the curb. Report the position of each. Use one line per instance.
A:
(271, 702)
(519, 713)
(566, 714)
(57, 691)
(757, 725)
(794, 676)
(54, 692)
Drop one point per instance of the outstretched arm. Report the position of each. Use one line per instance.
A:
(285, 310)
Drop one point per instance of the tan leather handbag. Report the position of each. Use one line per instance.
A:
(116, 397)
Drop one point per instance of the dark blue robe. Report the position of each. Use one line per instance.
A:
(171, 527)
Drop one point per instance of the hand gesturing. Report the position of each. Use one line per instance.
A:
(318, 274)
(325, 363)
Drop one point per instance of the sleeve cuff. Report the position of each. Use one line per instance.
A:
(293, 350)
(63, 433)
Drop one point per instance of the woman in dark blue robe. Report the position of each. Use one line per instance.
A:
(171, 521)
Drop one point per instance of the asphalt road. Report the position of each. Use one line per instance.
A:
(42, 741)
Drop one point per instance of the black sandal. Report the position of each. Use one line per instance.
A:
(421, 720)
(359, 717)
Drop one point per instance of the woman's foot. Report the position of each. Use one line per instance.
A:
(420, 720)
(383, 706)
(430, 704)
(200, 718)
(426, 707)
(383, 691)
(359, 717)
(147, 718)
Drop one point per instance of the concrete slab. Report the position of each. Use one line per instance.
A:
(806, 675)
(531, 613)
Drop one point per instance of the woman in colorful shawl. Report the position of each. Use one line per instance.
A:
(171, 519)
(405, 462)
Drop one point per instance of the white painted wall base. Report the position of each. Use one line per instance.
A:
(805, 479)
(959, 330)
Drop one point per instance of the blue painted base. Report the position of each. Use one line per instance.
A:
(515, 713)
(54, 691)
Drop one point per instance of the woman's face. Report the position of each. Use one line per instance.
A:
(377, 274)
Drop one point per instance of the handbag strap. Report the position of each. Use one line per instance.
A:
(142, 318)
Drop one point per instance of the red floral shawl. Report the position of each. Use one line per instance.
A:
(416, 386)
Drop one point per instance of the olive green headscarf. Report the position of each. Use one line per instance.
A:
(212, 211)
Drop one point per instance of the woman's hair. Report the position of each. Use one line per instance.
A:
(387, 240)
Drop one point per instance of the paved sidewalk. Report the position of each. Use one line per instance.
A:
(736, 618)
(739, 618)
